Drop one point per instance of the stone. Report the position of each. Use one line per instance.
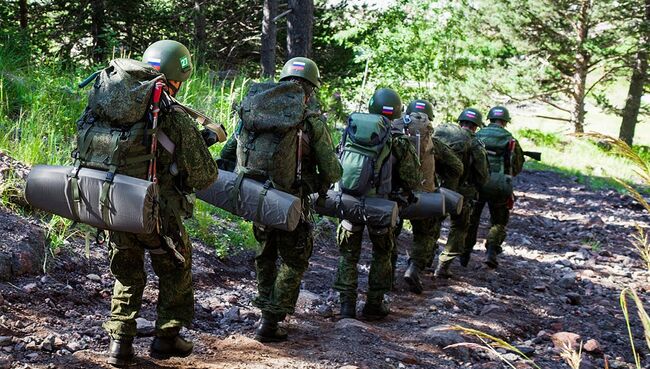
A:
(6, 341)
(94, 277)
(540, 287)
(144, 328)
(325, 311)
(567, 281)
(30, 287)
(490, 309)
(573, 298)
(563, 340)
(48, 344)
(349, 367)
(592, 346)
(348, 323)
(442, 336)
(31, 345)
(5, 361)
(526, 350)
(308, 300)
(74, 346)
(233, 314)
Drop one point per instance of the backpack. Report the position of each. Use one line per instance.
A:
(270, 134)
(417, 127)
(365, 155)
(459, 141)
(497, 144)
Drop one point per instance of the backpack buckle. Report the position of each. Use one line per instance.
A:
(110, 176)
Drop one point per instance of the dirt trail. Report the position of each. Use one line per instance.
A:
(568, 255)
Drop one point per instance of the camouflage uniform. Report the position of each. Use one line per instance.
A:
(197, 170)
(474, 176)
(349, 236)
(499, 208)
(425, 232)
(278, 288)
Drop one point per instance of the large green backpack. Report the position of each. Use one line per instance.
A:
(270, 134)
(497, 144)
(112, 132)
(417, 127)
(365, 155)
(459, 141)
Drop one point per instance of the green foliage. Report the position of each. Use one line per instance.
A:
(541, 138)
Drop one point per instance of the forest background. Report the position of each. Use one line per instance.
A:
(561, 67)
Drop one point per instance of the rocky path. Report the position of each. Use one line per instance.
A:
(568, 255)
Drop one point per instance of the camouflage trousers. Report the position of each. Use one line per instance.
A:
(278, 287)
(458, 229)
(175, 297)
(499, 216)
(424, 242)
(380, 278)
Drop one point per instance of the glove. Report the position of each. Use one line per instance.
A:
(209, 137)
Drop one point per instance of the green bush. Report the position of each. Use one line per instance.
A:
(540, 138)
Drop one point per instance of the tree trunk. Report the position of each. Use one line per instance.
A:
(581, 67)
(300, 24)
(23, 14)
(199, 28)
(99, 51)
(269, 34)
(637, 82)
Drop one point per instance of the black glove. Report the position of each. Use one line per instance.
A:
(209, 137)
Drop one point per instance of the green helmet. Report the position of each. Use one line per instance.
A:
(386, 102)
(471, 115)
(499, 113)
(301, 67)
(420, 106)
(171, 58)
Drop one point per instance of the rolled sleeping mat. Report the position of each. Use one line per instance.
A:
(373, 211)
(279, 209)
(453, 200)
(428, 205)
(131, 202)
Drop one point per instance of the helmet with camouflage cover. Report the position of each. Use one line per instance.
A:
(171, 58)
(471, 115)
(499, 113)
(420, 106)
(386, 102)
(304, 68)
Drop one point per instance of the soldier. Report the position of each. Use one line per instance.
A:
(436, 160)
(278, 288)
(506, 160)
(405, 177)
(194, 168)
(471, 152)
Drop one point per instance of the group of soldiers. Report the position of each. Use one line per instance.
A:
(283, 256)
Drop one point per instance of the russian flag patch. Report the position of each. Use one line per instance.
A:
(419, 105)
(470, 114)
(388, 110)
(154, 62)
(298, 65)
(498, 112)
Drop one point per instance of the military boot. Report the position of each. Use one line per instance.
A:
(464, 260)
(442, 270)
(120, 352)
(270, 331)
(412, 277)
(348, 309)
(375, 310)
(163, 348)
(491, 257)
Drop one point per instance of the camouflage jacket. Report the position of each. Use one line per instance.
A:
(478, 172)
(516, 162)
(449, 168)
(320, 166)
(408, 176)
(196, 168)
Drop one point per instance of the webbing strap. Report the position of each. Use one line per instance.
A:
(110, 175)
(73, 179)
(234, 194)
(260, 201)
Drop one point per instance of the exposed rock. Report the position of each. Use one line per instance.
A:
(573, 298)
(144, 328)
(94, 277)
(442, 336)
(592, 346)
(308, 300)
(562, 340)
(22, 246)
(347, 324)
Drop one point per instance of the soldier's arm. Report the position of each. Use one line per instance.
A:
(517, 159)
(409, 165)
(448, 166)
(480, 164)
(327, 164)
(192, 154)
(229, 150)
